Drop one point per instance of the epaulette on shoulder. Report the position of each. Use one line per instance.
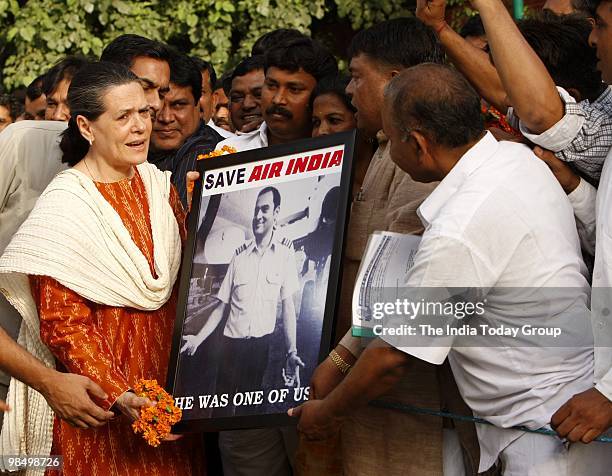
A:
(241, 248)
(287, 242)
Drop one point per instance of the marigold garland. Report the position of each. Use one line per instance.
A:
(494, 118)
(155, 422)
(226, 149)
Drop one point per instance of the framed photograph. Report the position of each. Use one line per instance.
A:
(259, 282)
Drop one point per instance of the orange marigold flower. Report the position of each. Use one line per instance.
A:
(226, 149)
(155, 422)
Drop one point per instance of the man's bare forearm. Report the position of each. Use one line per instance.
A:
(476, 66)
(20, 364)
(375, 373)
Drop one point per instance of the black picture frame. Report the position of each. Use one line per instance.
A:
(185, 372)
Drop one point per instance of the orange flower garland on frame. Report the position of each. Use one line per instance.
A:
(226, 149)
(155, 422)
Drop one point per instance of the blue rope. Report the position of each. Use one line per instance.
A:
(428, 411)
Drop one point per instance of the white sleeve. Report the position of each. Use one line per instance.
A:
(582, 136)
(8, 161)
(561, 135)
(355, 345)
(605, 385)
(583, 203)
(446, 270)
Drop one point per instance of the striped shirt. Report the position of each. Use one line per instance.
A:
(184, 159)
(582, 137)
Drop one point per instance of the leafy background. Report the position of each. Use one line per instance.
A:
(35, 34)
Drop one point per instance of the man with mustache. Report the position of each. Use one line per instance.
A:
(292, 70)
(291, 73)
(179, 134)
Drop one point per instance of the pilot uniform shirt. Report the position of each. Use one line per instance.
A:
(255, 282)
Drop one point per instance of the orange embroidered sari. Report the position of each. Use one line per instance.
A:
(115, 347)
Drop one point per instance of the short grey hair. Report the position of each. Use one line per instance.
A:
(436, 101)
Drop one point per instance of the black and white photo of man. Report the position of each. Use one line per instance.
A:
(261, 274)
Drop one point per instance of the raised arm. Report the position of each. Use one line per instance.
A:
(530, 88)
(473, 63)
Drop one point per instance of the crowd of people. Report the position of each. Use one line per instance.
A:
(492, 143)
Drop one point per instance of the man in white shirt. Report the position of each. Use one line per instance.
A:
(588, 414)
(285, 96)
(510, 247)
(261, 275)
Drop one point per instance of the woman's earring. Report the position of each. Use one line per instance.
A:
(91, 141)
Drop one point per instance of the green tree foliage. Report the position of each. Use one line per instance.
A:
(34, 34)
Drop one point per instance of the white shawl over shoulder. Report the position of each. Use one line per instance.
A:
(76, 237)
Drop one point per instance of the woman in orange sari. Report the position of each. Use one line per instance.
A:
(102, 251)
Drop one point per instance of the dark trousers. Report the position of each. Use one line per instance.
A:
(243, 365)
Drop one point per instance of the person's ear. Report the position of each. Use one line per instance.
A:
(420, 142)
(426, 156)
(394, 73)
(85, 128)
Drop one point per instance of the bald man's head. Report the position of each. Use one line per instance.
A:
(431, 116)
(436, 101)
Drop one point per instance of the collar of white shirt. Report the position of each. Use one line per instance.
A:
(467, 164)
(261, 250)
(222, 132)
(263, 134)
